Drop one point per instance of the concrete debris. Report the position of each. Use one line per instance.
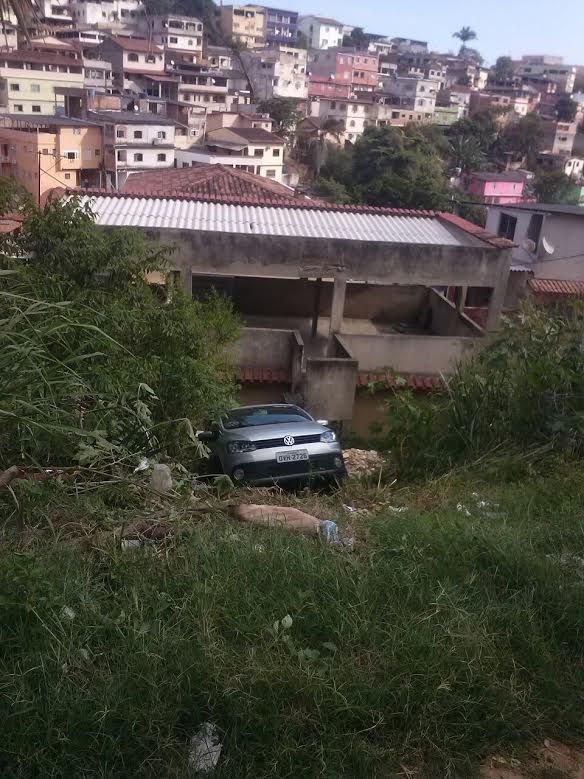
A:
(361, 462)
(205, 749)
(129, 543)
(150, 529)
(161, 478)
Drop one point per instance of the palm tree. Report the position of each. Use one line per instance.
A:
(465, 34)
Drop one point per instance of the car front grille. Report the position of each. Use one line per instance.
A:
(272, 469)
(271, 443)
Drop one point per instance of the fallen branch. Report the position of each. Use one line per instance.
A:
(9, 475)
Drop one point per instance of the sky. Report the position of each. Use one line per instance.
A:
(503, 27)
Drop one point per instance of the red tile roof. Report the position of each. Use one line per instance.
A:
(548, 290)
(210, 181)
(136, 44)
(476, 230)
(251, 134)
(23, 55)
(10, 222)
(412, 381)
(264, 375)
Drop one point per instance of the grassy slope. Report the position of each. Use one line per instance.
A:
(454, 635)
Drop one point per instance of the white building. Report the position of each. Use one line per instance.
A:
(355, 114)
(135, 141)
(276, 72)
(181, 36)
(321, 32)
(114, 14)
(55, 12)
(413, 94)
(8, 36)
(551, 68)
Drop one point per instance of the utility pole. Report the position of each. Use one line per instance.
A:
(39, 177)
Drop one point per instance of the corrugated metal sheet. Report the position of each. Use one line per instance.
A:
(168, 213)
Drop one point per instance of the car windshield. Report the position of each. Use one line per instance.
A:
(263, 415)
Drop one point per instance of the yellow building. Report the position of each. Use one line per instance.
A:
(244, 24)
(51, 152)
(28, 80)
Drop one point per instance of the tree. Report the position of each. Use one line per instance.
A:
(332, 190)
(482, 127)
(566, 108)
(503, 70)
(524, 138)
(284, 112)
(464, 35)
(466, 153)
(555, 187)
(357, 39)
(302, 40)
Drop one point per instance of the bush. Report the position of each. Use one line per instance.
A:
(523, 389)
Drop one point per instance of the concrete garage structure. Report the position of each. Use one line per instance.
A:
(329, 293)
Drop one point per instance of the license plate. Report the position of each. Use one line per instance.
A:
(292, 457)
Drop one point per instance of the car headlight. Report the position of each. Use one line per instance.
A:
(328, 437)
(238, 447)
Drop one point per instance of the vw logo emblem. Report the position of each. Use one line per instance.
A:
(289, 440)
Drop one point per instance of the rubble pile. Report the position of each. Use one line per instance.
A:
(361, 462)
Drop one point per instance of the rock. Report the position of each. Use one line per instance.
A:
(361, 462)
(161, 478)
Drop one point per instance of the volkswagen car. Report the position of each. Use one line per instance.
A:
(272, 444)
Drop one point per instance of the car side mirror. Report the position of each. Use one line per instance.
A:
(322, 422)
(207, 435)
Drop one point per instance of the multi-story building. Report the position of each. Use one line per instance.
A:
(506, 187)
(355, 114)
(218, 57)
(243, 24)
(202, 86)
(321, 32)
(413, 95)
(107, 14)
(81, 37)
(53, 12)
(276, 72)
(571, 166)
(513, 102)
(52, 151)
(29, 80)
(8, 36)
(281, 26)
(551, 68)
(325, 86)
(180, 36)
(358, 68)
(409, 45)
(559, 137)
(458, 97)
(132, 60)
(251, 149)
(134, 141)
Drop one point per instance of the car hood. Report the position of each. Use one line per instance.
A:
(265, 432)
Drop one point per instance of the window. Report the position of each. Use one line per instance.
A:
(97, 152)
(120, 133)
(35, 87)
(121, 156)
(150, 58)
(258, 152)
(138, 157)
(45, 151)
(276, 152)
(161, 157)
(172, 39)
(71, 155)
(352, 123)
(36, 109)
(18, 108)
(507, 226)
(76, 131)
(271, 174)
(333, 105)
(15, 87)
(161, 134)
(132, 57)
(534, 229)
(67, 176)
(137, 133)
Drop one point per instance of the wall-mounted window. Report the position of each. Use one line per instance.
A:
(35, 87)
(36, 109)
(161, 157)
(133, 57)
(507, 226)
(271, 174)
(276, 152)
(14, 87)
(67, 176)
(71, 154)
(18, 108)
(120, 133)
(161, 134)
(137, 133)
(138, 157)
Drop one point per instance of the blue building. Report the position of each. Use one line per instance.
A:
(281, 26)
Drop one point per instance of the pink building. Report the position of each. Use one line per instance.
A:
(358, 68)
(507, 187)
(325, 86)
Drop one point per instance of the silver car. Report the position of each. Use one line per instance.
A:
(274, 443)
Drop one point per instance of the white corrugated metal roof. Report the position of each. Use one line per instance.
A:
(175, 214)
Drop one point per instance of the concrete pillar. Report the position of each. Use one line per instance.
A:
(498, 294)
(338, 305)
(461, 293)
(188, 281)
(316, 307)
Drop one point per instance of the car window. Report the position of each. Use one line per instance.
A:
(253, 417)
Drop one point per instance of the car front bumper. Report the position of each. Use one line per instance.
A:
(260, 467)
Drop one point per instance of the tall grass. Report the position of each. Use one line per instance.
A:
(443, 636)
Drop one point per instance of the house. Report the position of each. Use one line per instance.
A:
(28, 81)
(134, 141)
(457, 97)
(281, 27)
(8, 36)
(355, 114)
(329, 295)
(548, 67)
(326, 86)
(410, 95)
(559, 137)
(358, 68)
(277, 72)
(243, 24)
(107, 14)
(571, 166)
(506, 187)
(512, 105)
(321, 32)
(549, 238)
(251, 149)
(180, 36)
(45, 152)
(220, 57)
(134, 62)
(219, 182)
(53, 12)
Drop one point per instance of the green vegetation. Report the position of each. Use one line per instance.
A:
(95, 365)
(284, 112)
(555, 187)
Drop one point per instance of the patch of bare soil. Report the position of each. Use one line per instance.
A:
(551, 760)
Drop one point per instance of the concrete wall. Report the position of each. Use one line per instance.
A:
(260, 347)
(297, 257)
(419, 354)
(445, 320)
(329, 388)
